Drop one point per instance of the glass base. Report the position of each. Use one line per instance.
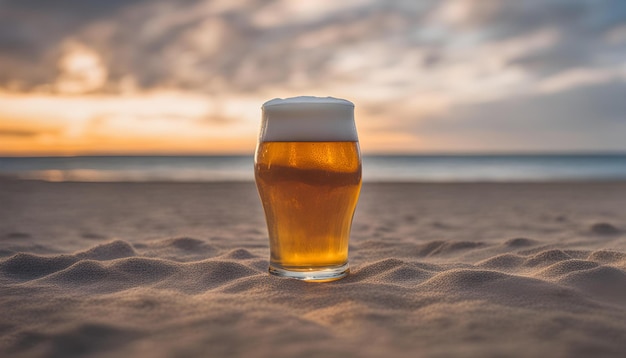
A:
(315, 274)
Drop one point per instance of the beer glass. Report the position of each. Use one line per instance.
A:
(307, 169)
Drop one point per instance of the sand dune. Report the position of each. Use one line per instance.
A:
(437, 270)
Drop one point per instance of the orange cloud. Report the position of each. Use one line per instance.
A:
(156, 122)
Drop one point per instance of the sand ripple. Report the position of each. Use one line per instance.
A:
(116, 266)
(389, 291)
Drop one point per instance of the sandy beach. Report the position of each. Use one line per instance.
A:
(438, 270)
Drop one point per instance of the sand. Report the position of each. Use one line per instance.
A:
(438, 270)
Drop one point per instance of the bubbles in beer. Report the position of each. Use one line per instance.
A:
(308, 119)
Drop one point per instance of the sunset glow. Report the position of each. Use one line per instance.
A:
(160, 122)
(449, 76)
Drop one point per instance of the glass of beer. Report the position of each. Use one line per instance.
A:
(307, 168)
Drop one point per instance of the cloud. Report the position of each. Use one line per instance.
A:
(590, 117)
(20, 133)
(25, 130)
(582, 26)
(33, 31)
(201, 45)
(247, 46)
(453, 67)
(81, 70)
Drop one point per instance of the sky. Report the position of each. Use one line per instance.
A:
(83, 77)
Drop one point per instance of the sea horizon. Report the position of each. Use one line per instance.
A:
(367, 154)
(471, 167)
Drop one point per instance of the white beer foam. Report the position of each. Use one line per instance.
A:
(308, 119)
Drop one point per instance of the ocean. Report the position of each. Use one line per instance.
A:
(387, 168)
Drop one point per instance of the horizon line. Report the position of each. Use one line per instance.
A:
(370, 154)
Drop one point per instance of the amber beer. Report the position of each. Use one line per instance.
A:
(308, 174)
